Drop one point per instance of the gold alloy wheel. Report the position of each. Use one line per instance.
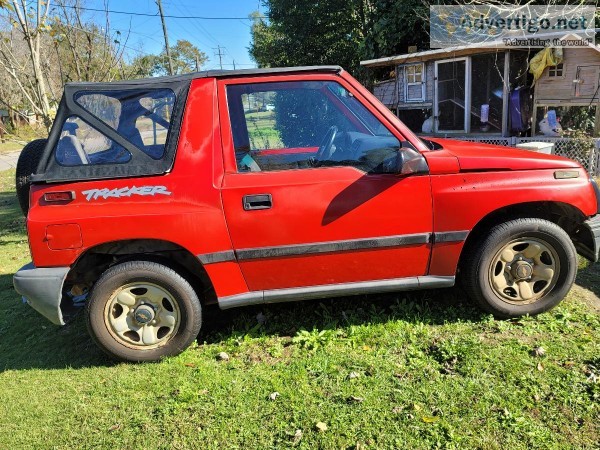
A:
(142, 315)
(524, 270)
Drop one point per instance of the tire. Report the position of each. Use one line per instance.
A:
(534, 257)
(26, 165)
(142, 311)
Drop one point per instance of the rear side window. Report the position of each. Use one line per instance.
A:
(80, 144)
(143, 117)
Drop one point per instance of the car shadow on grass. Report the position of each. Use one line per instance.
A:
(11, 217)
(29, 341)
(286, 319)
(589, 278)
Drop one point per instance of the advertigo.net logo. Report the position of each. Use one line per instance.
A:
(519, 26)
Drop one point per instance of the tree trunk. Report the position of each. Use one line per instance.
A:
(33, 37)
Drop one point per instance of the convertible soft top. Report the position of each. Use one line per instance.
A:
(209, 74)
(140, 161)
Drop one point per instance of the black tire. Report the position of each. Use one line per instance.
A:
(115, 280)
(481, 264)
(26, 165)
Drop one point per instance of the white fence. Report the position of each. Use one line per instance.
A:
(587, 156)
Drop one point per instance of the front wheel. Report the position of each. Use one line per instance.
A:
(143, 311)
(524, 266)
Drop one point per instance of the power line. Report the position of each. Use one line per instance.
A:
(196, 24)
(168, 16)
(203, 31)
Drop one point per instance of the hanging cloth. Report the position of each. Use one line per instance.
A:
(542, 59)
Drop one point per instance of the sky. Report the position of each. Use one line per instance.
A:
(232, 35)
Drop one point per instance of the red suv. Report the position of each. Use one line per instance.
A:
(152, 198)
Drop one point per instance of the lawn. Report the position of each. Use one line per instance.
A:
(262, 131)
(10, 146)
(423, 370)
(25, 134)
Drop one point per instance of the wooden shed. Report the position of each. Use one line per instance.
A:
(467, 90)
(572, 89)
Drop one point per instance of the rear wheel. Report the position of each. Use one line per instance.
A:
(524, 266)
(143, 311)
(26, 165)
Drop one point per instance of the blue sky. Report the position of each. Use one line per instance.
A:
(146, 32)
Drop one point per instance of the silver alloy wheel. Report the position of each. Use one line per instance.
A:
(142, 315)
(524, 270)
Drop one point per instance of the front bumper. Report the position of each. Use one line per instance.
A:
(42, 288)
(590, 247)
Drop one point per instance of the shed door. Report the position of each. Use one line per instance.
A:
(451, 99)
(586, 82)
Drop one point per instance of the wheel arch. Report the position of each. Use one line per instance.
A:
(94, 261)
(568, 217)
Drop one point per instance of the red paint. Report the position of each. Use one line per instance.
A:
(204, 212)
(63, 237)
(328, 204)
(478, 156)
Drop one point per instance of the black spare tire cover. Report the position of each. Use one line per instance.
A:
(26, 165)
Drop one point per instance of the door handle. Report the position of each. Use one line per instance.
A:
(259, 201)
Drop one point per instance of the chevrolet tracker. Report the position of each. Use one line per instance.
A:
(153, 198)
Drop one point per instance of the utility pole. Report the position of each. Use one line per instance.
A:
(219, 53)
(234, 64)
(164, 27)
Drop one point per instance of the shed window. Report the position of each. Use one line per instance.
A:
(555, 71)
(414, 83)
(414, 74)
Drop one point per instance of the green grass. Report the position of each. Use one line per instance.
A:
(433, 372)
(10, 146)
(22, 136)
(262, 131)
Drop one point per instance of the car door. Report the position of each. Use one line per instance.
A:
(310, 193)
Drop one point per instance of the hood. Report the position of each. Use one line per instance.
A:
(478, 156)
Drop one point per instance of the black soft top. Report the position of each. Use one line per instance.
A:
(152, 82)
(49, 170)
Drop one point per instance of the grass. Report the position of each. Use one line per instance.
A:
(424, 370)
(262, 131)
(10, 146)
(23, 135)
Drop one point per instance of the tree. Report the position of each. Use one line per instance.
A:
(30, 23)
(307, 32)
(185, 58)
(43, 46)
(86, 50)
(337, 32)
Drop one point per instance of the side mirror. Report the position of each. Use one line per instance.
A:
(410, 162)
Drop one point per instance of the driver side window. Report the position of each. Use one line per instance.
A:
(305, 124)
